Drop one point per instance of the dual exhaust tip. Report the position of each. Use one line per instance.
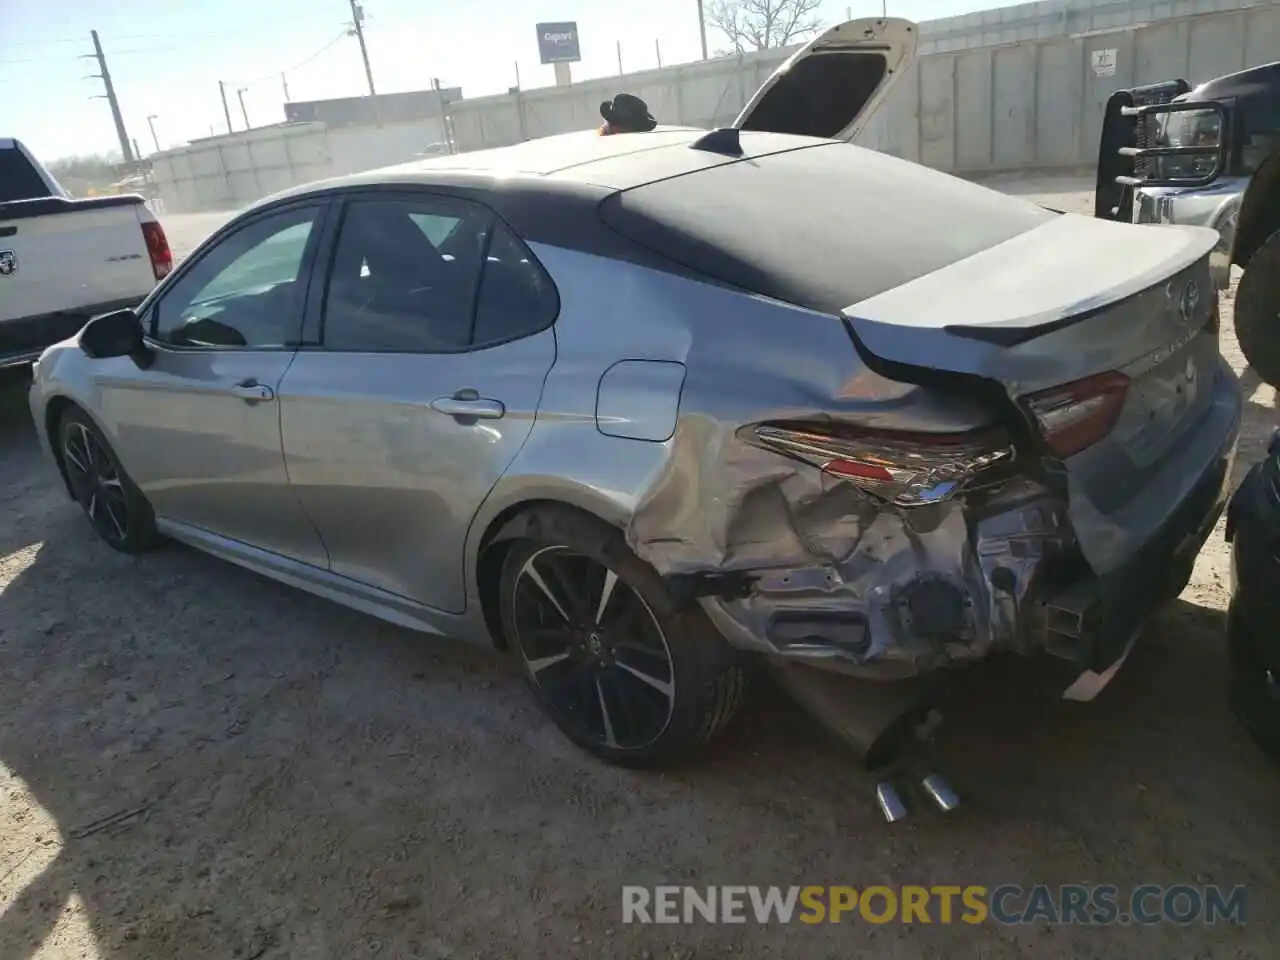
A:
(935, 786)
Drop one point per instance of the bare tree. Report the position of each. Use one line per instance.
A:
(764, 24)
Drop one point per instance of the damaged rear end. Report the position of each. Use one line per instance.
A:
(1032, 442)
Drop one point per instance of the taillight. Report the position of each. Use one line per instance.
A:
(906, 468)
(1075, 416)
(157, 248)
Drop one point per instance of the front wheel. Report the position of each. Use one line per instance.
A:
(1258, 311)
(119, 512)
(621, 671)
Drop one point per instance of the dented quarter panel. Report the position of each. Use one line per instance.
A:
(705, 501)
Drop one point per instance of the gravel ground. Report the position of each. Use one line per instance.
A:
(196, 762)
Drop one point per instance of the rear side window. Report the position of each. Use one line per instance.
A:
(19, 179)
(822, 227)
(430, 275)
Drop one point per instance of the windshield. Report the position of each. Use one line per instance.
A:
(1190, 128)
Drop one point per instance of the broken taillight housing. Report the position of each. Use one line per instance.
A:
(906, 468)
(1075, 416)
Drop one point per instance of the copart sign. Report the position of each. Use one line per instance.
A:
(558, 42)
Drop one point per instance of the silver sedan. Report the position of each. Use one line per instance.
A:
(648, 410)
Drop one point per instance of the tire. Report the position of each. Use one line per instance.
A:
(576, 657)
(112, 502)
(1250, 690)
(1258, 311)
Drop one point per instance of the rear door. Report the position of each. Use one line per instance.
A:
(432, 338)
(834, 83)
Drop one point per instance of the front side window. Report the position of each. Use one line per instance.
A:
(245, 291)
(431, 275)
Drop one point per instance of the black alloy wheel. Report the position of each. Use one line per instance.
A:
(623, 669)
(115, 507)
(594, 649)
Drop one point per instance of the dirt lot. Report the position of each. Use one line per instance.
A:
(196, 762)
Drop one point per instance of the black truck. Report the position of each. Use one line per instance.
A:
(1207, 156)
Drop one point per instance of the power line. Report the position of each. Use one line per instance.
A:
(275, 74)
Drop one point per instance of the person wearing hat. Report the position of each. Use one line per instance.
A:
(626, 114)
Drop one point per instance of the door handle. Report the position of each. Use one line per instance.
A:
(469, 405)
(251, 391)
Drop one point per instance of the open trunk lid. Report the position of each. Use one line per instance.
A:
(829, 87)
(1079, 300)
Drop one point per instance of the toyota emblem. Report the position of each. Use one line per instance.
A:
(1189, 302)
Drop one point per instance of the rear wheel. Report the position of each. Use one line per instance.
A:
(1258, 311)
(114, 505)
(620, 670)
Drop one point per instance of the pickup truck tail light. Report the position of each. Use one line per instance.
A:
(905, 468)
(157, 248)
(1075, 416)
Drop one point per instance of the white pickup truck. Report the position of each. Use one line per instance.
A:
(62, 260)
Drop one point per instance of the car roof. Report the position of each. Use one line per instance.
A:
(567, 162)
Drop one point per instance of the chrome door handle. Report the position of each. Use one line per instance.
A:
(251, 391)
(469, 405)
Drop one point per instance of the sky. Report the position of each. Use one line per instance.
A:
(166, 57)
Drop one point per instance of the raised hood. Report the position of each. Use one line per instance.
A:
(832, 85)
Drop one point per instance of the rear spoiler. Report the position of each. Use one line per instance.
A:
(1127, 146)
(51, 206)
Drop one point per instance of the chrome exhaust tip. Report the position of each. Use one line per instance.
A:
(890, 801)
(940, 792)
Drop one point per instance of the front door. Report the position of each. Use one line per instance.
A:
(199, 431)
(433, 340)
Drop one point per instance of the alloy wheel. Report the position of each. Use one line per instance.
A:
(96, 482)
(594, 649)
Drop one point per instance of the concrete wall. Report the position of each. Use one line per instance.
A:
(1038, 105)
(1059, 18)
(1032, 105)
(228, 172)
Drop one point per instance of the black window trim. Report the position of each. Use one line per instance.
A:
(312, 337)
(306, 272)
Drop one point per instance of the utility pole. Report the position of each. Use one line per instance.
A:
(619, 58)
(151, 122)
(244, 111)
(126, 149)
(226, 111)
(284, 81)
(702, 29)
(357, 25)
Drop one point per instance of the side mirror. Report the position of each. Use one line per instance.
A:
(116, 334)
